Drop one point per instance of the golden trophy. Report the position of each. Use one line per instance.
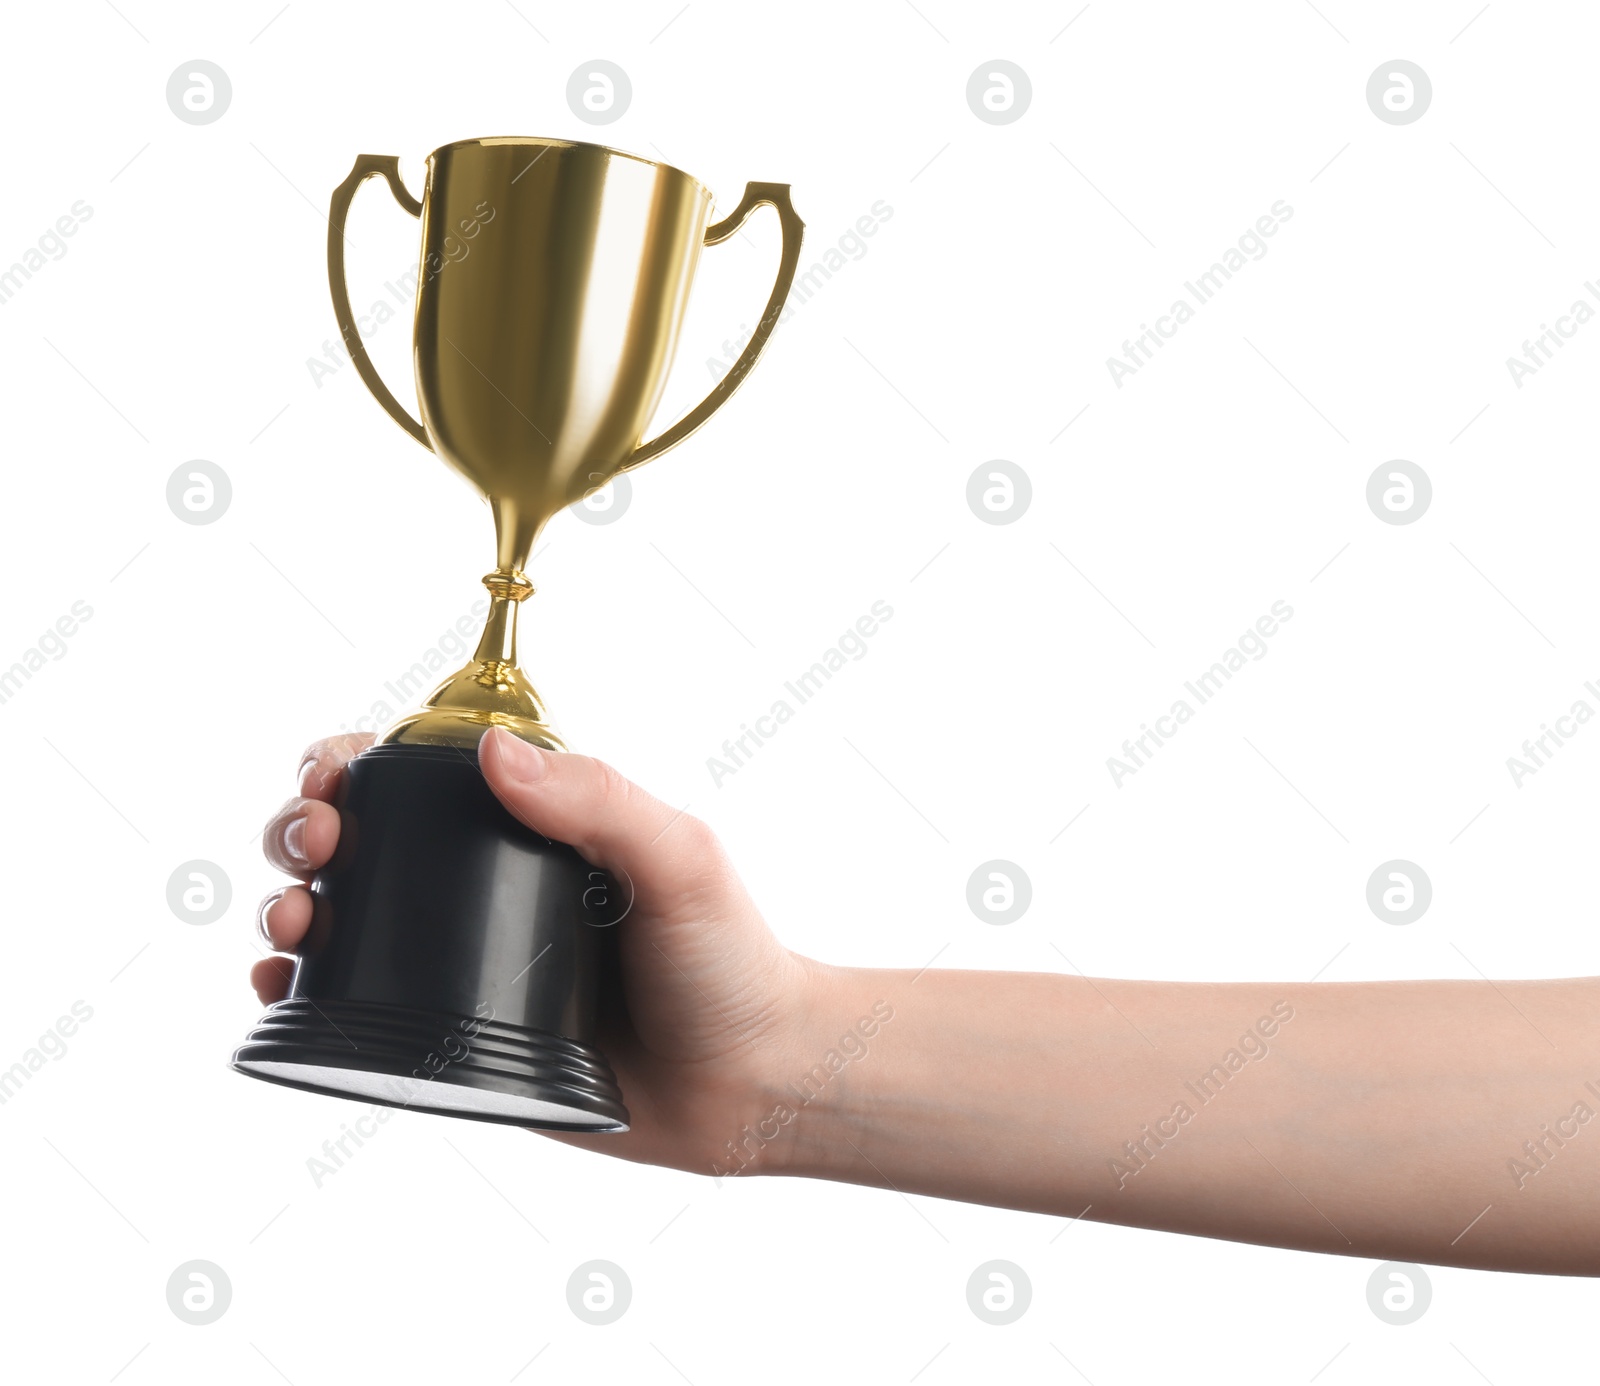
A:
(455, 958)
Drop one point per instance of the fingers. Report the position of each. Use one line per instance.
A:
(324, 760)
(299, 839)
(284, 917)
(671, 859)
(271, 977)
(301, 836)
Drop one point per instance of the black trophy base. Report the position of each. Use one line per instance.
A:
(454, 959)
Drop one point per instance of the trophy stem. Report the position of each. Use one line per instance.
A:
(489, 691)
(507, 591)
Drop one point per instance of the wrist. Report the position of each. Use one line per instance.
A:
(818, 1090)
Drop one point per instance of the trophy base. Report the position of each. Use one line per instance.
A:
(387, 1054)
(454, 960)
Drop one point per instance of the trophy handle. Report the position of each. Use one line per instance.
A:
(366, 166)
(775, 195)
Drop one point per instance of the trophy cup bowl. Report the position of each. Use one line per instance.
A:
(455, 958)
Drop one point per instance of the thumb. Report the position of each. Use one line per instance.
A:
(674, 863)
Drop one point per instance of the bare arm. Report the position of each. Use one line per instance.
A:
(1375, 1119)
(1443, 1122)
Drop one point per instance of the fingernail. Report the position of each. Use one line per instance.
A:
(518, 759)
(306, 767)
(261, 917)
(294, 841)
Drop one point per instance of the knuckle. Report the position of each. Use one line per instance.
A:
(276, 819)
(272, 833)
(336, 750)
(698, 835)
(614, 790)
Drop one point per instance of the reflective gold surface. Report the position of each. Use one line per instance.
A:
(554, 279)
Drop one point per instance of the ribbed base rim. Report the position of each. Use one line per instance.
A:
(433, 1061)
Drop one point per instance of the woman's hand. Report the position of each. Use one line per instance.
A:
(1448, 1122)
(716, 1008)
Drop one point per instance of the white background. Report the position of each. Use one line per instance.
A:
(1229, 473)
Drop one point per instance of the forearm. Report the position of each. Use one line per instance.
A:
(1371, 1119)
